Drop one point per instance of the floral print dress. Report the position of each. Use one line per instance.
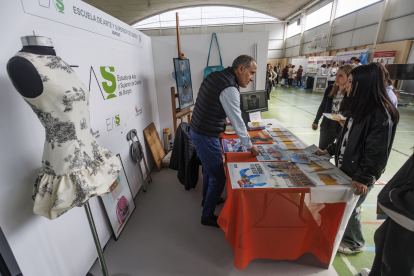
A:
(74, 166)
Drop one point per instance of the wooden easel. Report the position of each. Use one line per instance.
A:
(179, 114)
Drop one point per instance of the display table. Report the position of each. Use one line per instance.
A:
(284, 223)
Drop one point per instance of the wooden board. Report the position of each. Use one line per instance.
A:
(154, 142)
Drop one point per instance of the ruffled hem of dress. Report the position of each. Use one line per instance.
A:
(54, 195)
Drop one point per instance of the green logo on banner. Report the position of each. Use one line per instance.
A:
(117, 120)
(110, 89)
(60, 6)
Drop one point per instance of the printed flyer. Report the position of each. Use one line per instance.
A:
(272, 153)
(316, 166)
(288, 175)
(301, 158)
(249, 175)
(327, 178)
(286, 139)
(234, 145)
(260, 137)
(288, 146)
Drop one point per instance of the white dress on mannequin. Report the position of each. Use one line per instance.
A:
(74, 166)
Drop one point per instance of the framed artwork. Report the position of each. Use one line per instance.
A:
(184, 84)
(119, 203)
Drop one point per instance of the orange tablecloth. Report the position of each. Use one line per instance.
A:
(276, 223)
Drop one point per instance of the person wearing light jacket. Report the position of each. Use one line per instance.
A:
(394, 239)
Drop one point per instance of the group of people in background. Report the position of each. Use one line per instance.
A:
(290, 73)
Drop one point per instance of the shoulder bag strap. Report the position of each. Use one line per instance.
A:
(208, 58)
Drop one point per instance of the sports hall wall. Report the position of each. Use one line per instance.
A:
(85, 37)
(358, 29)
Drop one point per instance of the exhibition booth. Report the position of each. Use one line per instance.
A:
(108, 98)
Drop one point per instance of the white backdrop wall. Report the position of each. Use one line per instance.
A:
(195, 48)
(64, 246)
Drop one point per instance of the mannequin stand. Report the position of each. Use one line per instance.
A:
(97, 243)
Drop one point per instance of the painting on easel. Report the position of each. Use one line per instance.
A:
(184, 85)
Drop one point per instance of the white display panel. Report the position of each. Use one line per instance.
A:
(65, 246)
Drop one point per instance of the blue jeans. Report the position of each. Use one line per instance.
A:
(353, 232)
(210, 153)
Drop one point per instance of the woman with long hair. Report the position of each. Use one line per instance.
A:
(364, 145)
(389, 85)
(292, 73)
(330, 104)
(270, 76)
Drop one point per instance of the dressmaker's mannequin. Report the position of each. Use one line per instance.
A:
(22, 72)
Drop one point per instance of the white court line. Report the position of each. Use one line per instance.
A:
(349, 265)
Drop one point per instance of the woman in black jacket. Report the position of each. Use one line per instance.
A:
(364, 145)
(332, 99)
(394, 239)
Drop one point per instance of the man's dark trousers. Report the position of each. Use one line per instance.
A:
(210, 153)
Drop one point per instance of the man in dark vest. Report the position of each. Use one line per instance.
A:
(218, 98)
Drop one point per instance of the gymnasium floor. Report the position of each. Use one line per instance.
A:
(296, 108)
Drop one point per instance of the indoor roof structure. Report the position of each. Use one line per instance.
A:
(133, 11)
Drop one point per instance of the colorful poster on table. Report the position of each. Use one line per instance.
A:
(272, 153)
(327, 178)
(119, 203)
(314, 151)
(288, 175)
(300, 158)
(260, 137)
(233, 145)
(384, 57)
(290, 146)
(346, 56)
(316, 166)
(249, 175)
(286, 139)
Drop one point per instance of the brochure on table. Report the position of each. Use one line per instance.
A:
(249, 175)
(233, 145)
(290, 146)
(260, 137)
(288, 175)
(272, 153)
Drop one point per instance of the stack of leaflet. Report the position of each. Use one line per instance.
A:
(267, 175)
(255, 126)
(233, 145)
(261, 136)
(272, 153)
(320, 170)
(229, 130)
